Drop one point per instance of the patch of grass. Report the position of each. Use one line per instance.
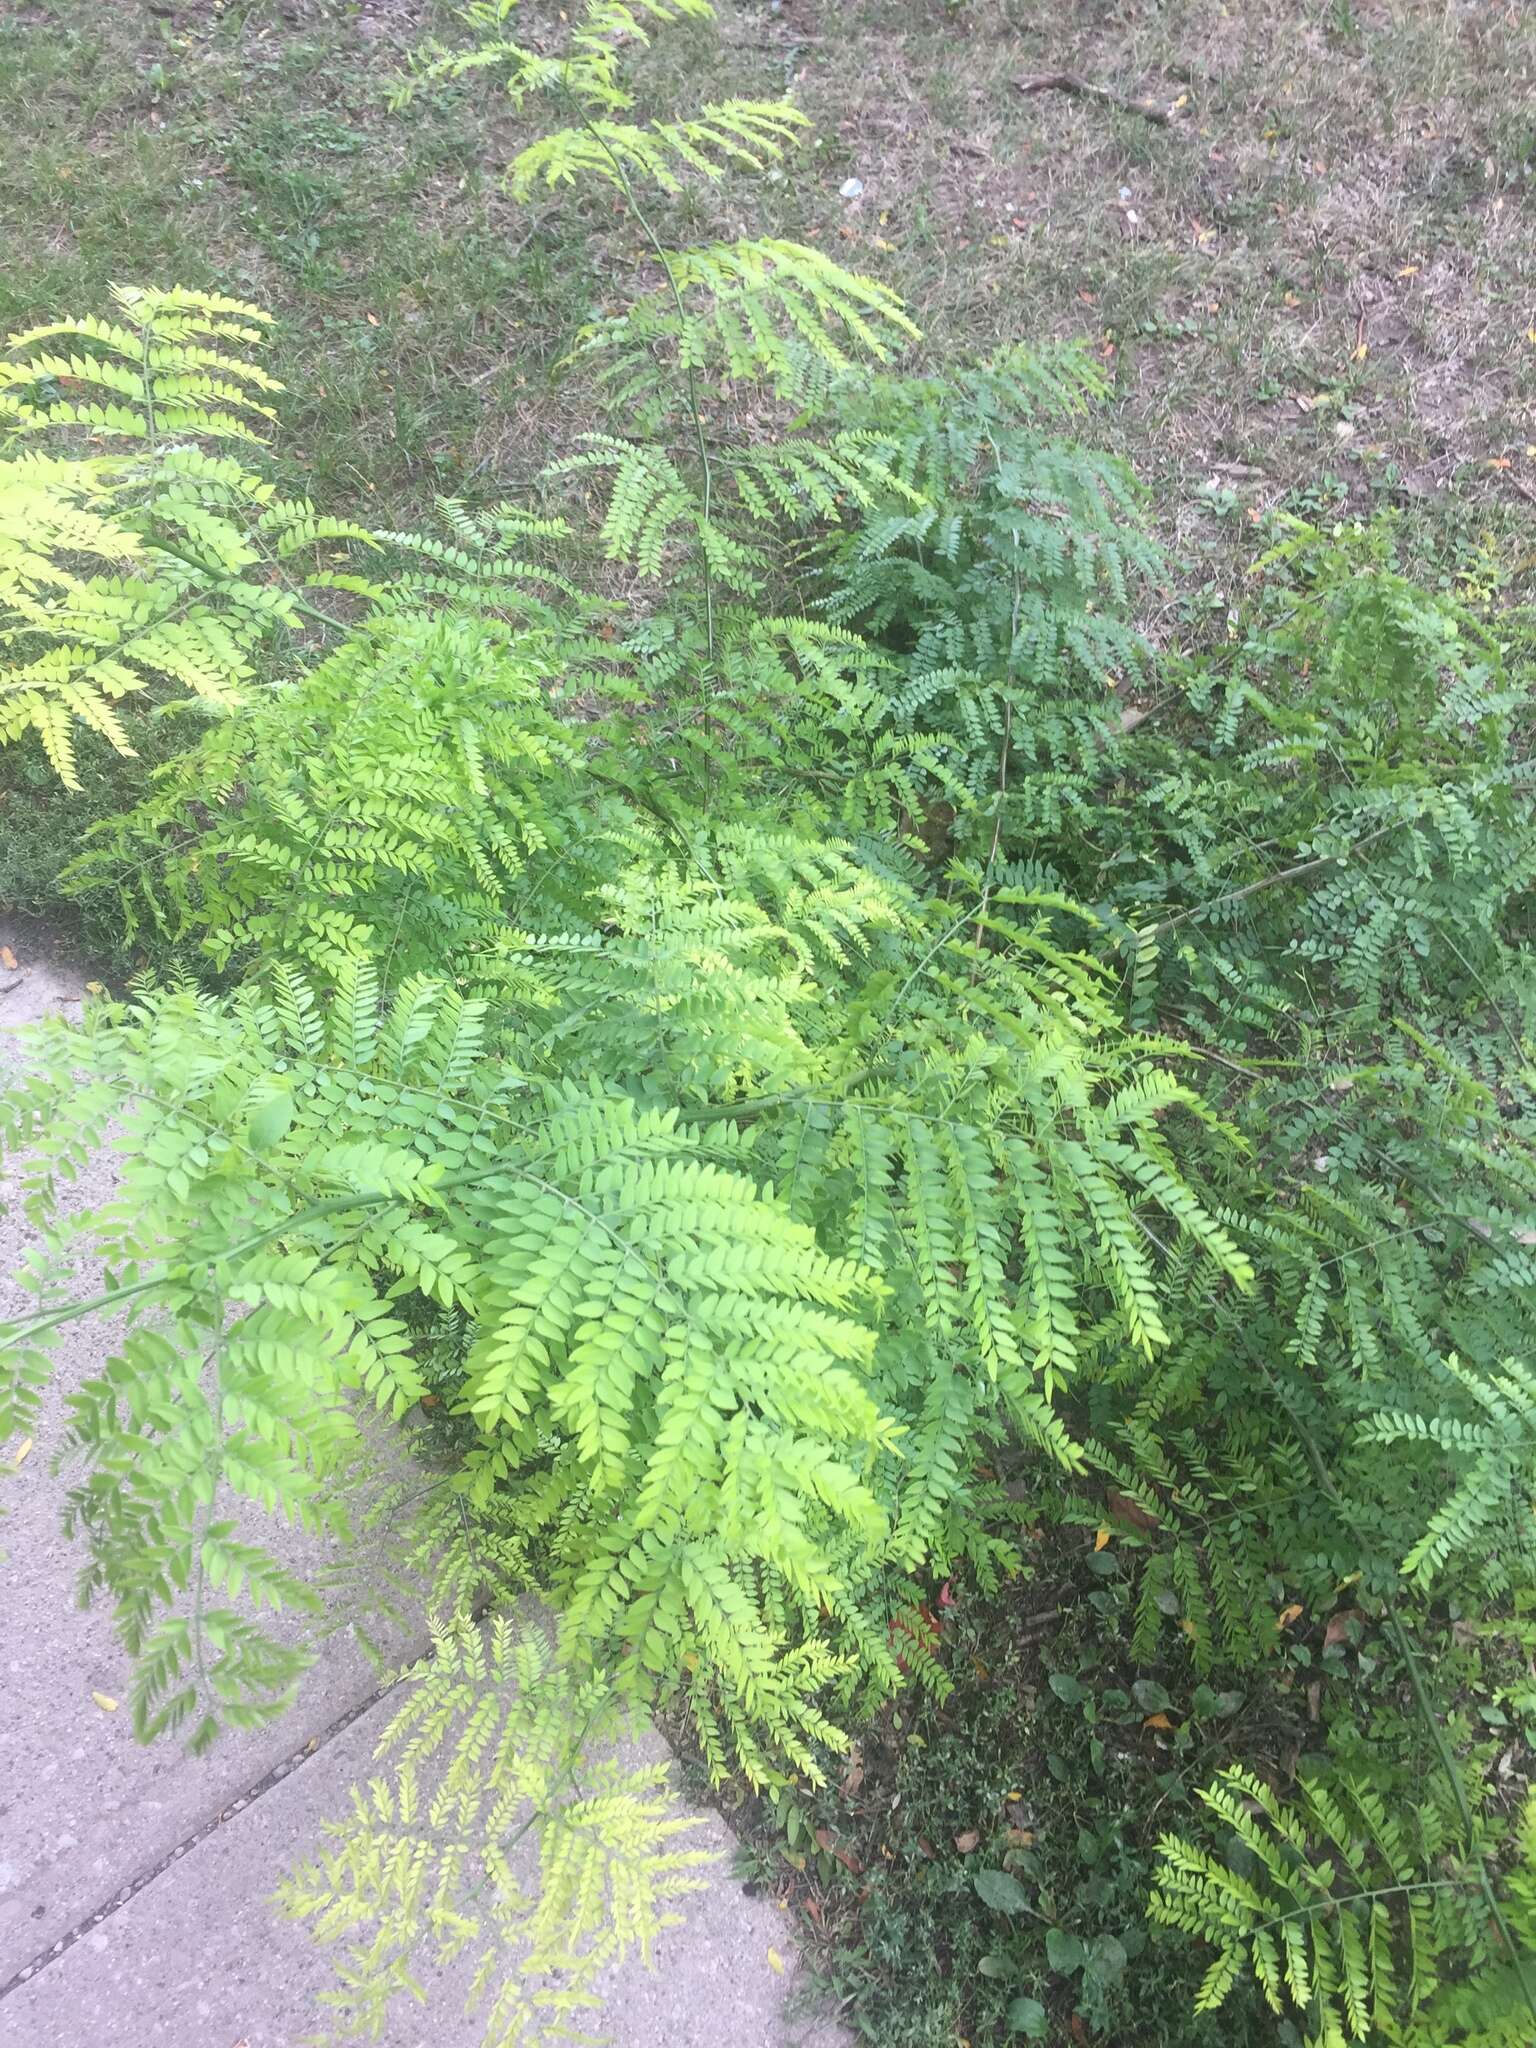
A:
(43, 825)
(1324, 261)
(253, 151)
(995, 1853)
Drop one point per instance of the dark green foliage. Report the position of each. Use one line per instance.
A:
(1003, 593)
(1330, 1908)
(42, 823)
(1365, 732)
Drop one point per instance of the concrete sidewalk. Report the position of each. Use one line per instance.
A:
(134, 1883)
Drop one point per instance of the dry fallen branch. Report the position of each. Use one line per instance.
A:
(1085, 89)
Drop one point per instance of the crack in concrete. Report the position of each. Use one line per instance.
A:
(311, 1747)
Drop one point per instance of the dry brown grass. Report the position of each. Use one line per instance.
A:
(1326, 263)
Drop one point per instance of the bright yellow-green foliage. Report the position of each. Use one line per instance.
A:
(160, 368)
(754, 1185)
(138, 558)
(122, 570)
(480, 1846)
(586, 78)
(590, 65)
(436, 747)
(751, 133)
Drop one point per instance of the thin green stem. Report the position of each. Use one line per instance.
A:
(690, 373)
(219, 581)
(146, 372)
(114, 1297)
(1007, 741)
(1330, 1905)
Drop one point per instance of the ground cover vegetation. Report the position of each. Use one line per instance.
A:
(919, 1071)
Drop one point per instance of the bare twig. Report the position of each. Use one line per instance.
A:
(1085, 89)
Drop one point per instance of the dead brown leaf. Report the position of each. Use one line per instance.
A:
(1337, 1630)
(1129, 1510)
(850, 1862)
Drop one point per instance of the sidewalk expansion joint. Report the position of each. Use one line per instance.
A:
(241, 1803)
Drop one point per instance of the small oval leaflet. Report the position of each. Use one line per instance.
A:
(269, 1122)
